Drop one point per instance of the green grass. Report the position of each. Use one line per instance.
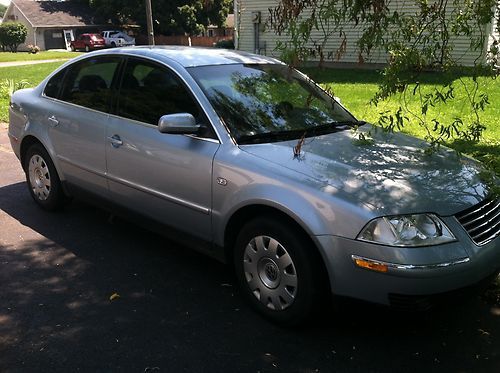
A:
(356, 87)
(34, 74)
(44, 55)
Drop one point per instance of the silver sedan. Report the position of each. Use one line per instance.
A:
(262, 169)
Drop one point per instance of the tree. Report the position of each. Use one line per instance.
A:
(3, 8)
(416, 42)
(169, 16)
(12, 34)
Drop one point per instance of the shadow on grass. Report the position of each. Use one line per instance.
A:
(365, 76)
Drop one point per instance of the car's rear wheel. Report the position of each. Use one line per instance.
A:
(43, 181)
(113, 44)
(278, 271)
(87, 48)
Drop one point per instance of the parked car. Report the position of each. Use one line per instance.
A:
(116, 38)
(87, 42)
(261, 167)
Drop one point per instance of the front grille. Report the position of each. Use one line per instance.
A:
(482, 221)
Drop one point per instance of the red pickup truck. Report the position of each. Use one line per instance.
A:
(88, 42)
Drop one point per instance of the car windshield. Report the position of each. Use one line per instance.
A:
(270, 102)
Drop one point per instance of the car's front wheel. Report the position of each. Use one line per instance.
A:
(279, 271)
(87, 48)
(43, 181)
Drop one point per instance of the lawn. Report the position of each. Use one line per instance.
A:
(33, 74)
(355, 88)
(44, 55)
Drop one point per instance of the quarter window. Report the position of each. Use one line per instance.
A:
(88, 83)
(53, 87)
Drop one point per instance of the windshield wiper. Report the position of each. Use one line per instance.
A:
(269, 137)
(276, 136)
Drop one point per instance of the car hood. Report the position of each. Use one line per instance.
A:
(392, 175)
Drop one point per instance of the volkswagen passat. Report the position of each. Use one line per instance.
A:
(262, 168)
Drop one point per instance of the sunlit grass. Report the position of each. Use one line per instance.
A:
(33, 74)
(44, 55)
(356, 88)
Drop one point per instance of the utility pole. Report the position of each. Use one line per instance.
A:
(149, 20)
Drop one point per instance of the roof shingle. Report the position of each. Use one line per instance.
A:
(54, 13)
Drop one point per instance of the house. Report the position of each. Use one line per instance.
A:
(226, 31)
(51, 24)
(252, 34)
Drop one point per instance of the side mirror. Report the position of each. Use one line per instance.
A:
(178, 124)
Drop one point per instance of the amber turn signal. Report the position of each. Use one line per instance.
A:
(374, 266)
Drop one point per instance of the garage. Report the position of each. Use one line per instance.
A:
(54, 39)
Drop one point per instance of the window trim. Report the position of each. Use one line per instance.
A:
(122, 57)
(64, 73)
(114, 110)
(68, 67)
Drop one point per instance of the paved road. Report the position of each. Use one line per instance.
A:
(179, 311)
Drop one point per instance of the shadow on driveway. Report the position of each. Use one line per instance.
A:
(179, 311)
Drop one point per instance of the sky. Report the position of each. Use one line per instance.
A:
(5, 2)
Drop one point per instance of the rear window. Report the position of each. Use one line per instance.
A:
(96, 37)
(88, 83)
(54, 85)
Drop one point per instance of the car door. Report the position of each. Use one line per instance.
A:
(78, 43)
(166, 177)
(77, 112)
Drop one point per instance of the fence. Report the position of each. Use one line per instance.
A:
(196, 41)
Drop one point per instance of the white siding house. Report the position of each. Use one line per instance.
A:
(254, 35)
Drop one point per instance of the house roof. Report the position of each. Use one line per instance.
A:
(55, 13)
(228, 23)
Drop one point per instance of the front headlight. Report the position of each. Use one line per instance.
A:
(407, 231)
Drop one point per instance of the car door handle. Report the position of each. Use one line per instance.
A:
(115, 141)
(53, 121)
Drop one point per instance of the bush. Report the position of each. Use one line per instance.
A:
(226, 44)
(9, 86)
(11, 35)
(33, 48)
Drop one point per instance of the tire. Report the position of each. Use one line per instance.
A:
(87, 48)
(113, 44)
(278, 271)
(42, 178)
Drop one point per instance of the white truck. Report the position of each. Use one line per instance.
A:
(116, 38)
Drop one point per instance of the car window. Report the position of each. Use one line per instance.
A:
(88, 83)
(269, 102)
(54, 85)
(149, 91)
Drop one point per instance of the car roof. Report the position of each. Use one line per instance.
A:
(195, 56)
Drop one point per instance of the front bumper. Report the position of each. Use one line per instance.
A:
(412, 272)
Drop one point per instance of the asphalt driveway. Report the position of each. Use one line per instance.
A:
(82, 292)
